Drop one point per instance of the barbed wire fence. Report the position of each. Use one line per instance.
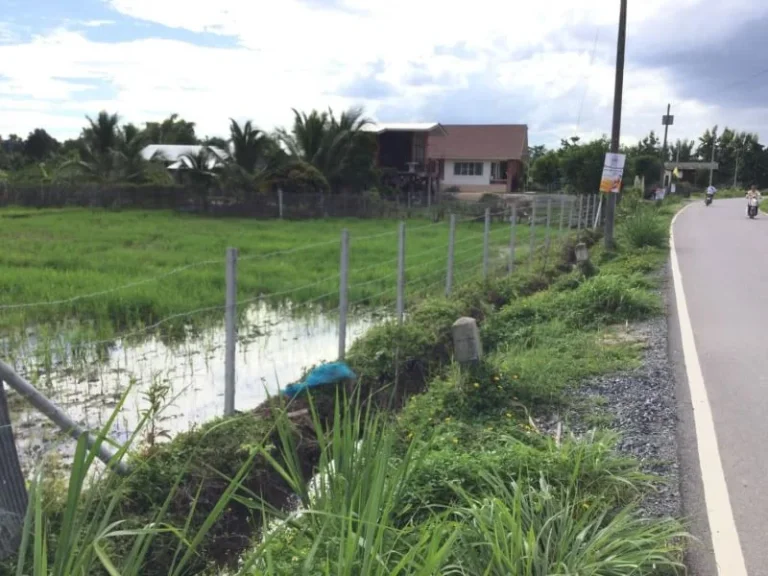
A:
(265, 341)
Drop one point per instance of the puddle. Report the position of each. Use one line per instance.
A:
(274, 348)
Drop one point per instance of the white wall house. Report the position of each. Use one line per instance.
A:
(480, 158)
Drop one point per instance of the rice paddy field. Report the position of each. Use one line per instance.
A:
(95, 302)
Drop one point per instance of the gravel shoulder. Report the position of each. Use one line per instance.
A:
(641, 405)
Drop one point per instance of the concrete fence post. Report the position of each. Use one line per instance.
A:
(486, 238)
(548, 232)
(343, 292)
(401, 274)
(13, 490)
(230, 325)
(532, 239)
(280, 202)
(451, 246)
(512, 234)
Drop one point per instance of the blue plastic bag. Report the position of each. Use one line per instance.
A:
(321, 376)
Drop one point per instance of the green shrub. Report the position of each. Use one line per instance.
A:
(645, 228)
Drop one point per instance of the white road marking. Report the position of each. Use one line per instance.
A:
(725, 538)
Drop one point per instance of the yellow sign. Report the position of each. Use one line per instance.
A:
(613, 170)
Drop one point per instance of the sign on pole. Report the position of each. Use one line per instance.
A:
(667, 120)
(613, 170)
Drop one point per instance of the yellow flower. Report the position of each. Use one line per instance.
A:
(515, 377)
(455, 440)
(509, 415)
(495, 378)
(476, 385)
(410, 435)
(448, 419)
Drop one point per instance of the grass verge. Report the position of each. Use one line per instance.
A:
(456, 474)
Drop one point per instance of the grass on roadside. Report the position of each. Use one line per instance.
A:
(467, 479)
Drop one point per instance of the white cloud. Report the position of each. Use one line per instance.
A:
(293, 53)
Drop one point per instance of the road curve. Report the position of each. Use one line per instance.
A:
(725, 280)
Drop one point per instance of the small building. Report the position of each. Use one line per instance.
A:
(687, 171)
(174, 155)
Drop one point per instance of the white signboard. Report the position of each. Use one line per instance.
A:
(613, 170)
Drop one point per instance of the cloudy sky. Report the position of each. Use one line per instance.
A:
(546, 63)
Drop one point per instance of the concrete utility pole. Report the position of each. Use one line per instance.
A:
(712, 160)
(610, 208)
(666, 121)
(738, 158)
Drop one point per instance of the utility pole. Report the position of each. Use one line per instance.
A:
(712, 160)
(610, 208)
(667, 121)
(738, 157)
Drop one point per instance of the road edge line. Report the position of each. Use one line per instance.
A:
(729, 556)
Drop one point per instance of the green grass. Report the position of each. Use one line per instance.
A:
(52, 255)
(454, 475)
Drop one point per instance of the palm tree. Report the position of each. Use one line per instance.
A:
(102, 134)
(249, 145)
(324, 141)
(199, 171)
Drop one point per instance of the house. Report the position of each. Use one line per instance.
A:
(175, 155)
(403, 146)
(480, 157)
(471, 157)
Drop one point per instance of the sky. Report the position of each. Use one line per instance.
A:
(545, 63)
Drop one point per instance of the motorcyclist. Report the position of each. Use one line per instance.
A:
(711, 190)
(753, 192)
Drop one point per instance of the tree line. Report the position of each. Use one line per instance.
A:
(577, 165)
(319, 152)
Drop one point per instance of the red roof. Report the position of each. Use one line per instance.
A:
(480, 142)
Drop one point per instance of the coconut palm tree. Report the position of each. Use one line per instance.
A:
(102, 134)
(200, 171)
(326, 142)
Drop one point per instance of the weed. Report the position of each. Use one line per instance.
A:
(645, 228)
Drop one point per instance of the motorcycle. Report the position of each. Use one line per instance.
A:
(708, 200)
(752, 207)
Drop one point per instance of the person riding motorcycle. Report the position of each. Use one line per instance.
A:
(753, 192)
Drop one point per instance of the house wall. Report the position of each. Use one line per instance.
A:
(450, 179)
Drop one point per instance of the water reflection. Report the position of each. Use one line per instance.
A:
(274, 347)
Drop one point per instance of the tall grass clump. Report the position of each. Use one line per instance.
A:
(644, 227)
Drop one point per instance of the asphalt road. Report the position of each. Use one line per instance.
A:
(725, 277)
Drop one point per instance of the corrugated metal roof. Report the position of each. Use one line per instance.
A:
(480, 142)
(172, 152)
(691, 165)
(403, 127)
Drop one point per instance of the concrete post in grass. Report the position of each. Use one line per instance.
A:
(280, 202)
(343, 294)
(467, 347)
(230, 325)
(582, 253)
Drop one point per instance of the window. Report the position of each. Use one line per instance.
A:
(499, 171)
(467, 168)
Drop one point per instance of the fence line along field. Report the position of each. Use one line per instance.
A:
(58, 255)
(93, 303)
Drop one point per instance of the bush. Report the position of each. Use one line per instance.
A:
(645, 228)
